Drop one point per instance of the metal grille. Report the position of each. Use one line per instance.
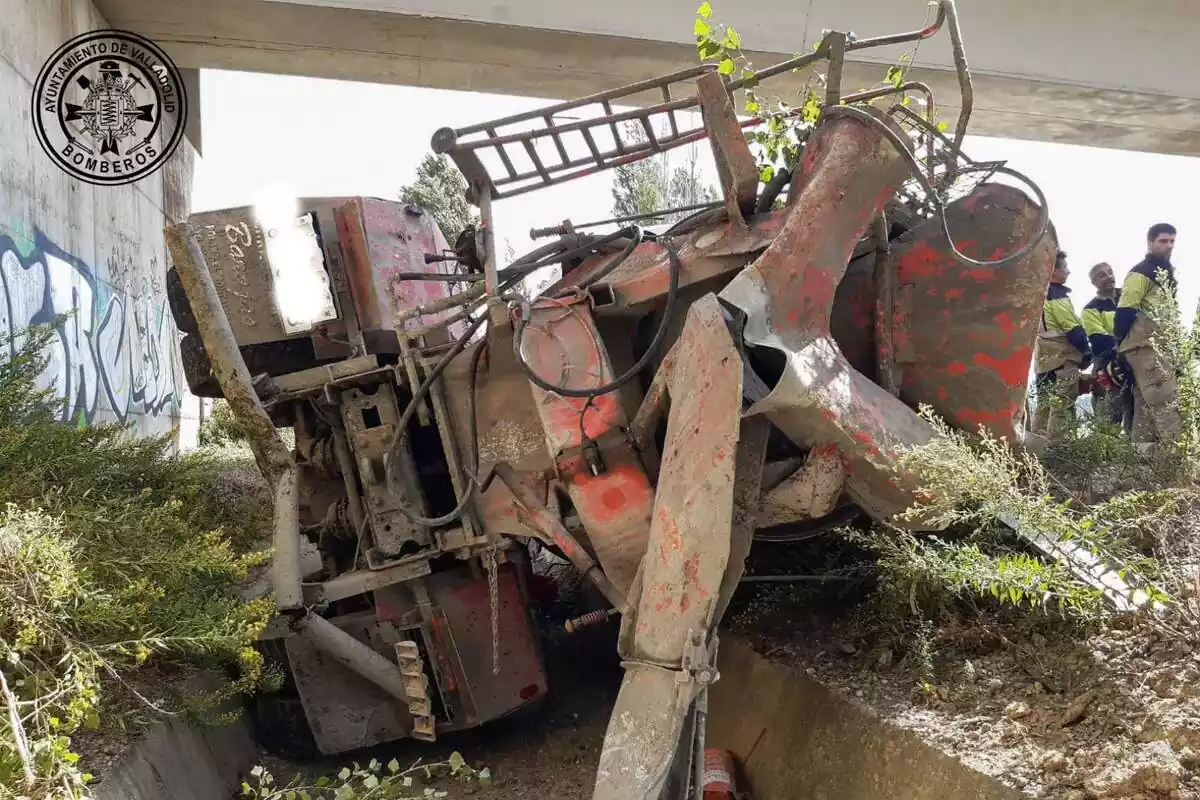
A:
(570, 140)
(946, 168)
(559, 143)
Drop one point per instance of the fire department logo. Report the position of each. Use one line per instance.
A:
(109, 107)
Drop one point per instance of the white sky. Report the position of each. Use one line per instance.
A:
(324, 137)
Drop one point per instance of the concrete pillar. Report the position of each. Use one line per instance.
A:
(98, 251)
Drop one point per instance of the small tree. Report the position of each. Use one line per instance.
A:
(442, 191)
(650, 185)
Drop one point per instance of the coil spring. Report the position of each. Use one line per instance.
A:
(590, 618)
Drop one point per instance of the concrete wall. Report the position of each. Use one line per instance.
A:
(68, 246)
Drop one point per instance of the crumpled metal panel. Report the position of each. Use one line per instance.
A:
(808, 493)
(344, 710)
(678, 590)
(848, 173)
(969, 331)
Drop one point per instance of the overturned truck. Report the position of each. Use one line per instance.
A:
(749, 372)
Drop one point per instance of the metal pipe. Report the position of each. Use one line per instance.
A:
(353, 654)
(871, 94)
(409, 360)
(465, 297)
(541, 519)
(341, 449)
(909, 36)
(272, 456)
(222, 348)
(285, 566)
(833, 76)
(964, 73)
(491, 278)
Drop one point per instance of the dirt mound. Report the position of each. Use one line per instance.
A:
(1050, 710)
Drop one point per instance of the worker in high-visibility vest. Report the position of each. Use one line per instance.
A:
(1146, 296)
(1062, 351)
(1109, 397)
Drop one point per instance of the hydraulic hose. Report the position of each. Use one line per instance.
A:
(672, 289)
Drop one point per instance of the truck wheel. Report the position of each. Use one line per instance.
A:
(280, 726)
(181, 308)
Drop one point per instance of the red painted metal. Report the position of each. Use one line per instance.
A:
(465, 640)
(969, 332)
(720, 778)
(848, 173)
(595, 462)
(382, 238)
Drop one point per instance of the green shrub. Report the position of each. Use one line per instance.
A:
(221, 427)
(1092, 488)
(113, 551)
(971, 483)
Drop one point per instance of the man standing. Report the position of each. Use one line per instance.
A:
(1149, 287)
(1098, 318)
(1062, 350)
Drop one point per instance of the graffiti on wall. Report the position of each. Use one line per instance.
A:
(117, 352)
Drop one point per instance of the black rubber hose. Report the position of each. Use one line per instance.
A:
(560, 256)
(772, 190)
(472, 423)
(635, 238)
(520, 269)
(672, 289)
(690, 223)
(402, 431)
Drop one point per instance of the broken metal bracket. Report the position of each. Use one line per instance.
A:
(416, 689)
(699, 663)
(735, 162)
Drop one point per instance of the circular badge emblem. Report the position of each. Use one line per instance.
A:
(109, 107)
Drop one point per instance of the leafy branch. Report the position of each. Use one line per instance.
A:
(787, 125)
(375, 780)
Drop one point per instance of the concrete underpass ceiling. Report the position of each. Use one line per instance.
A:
(1089, 72)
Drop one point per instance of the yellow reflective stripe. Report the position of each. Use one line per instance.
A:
(1060, 315)
(1134, 291)
(1097, 321)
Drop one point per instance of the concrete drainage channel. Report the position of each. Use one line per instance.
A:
(177, 762)
(793, 738)
(797, 740)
